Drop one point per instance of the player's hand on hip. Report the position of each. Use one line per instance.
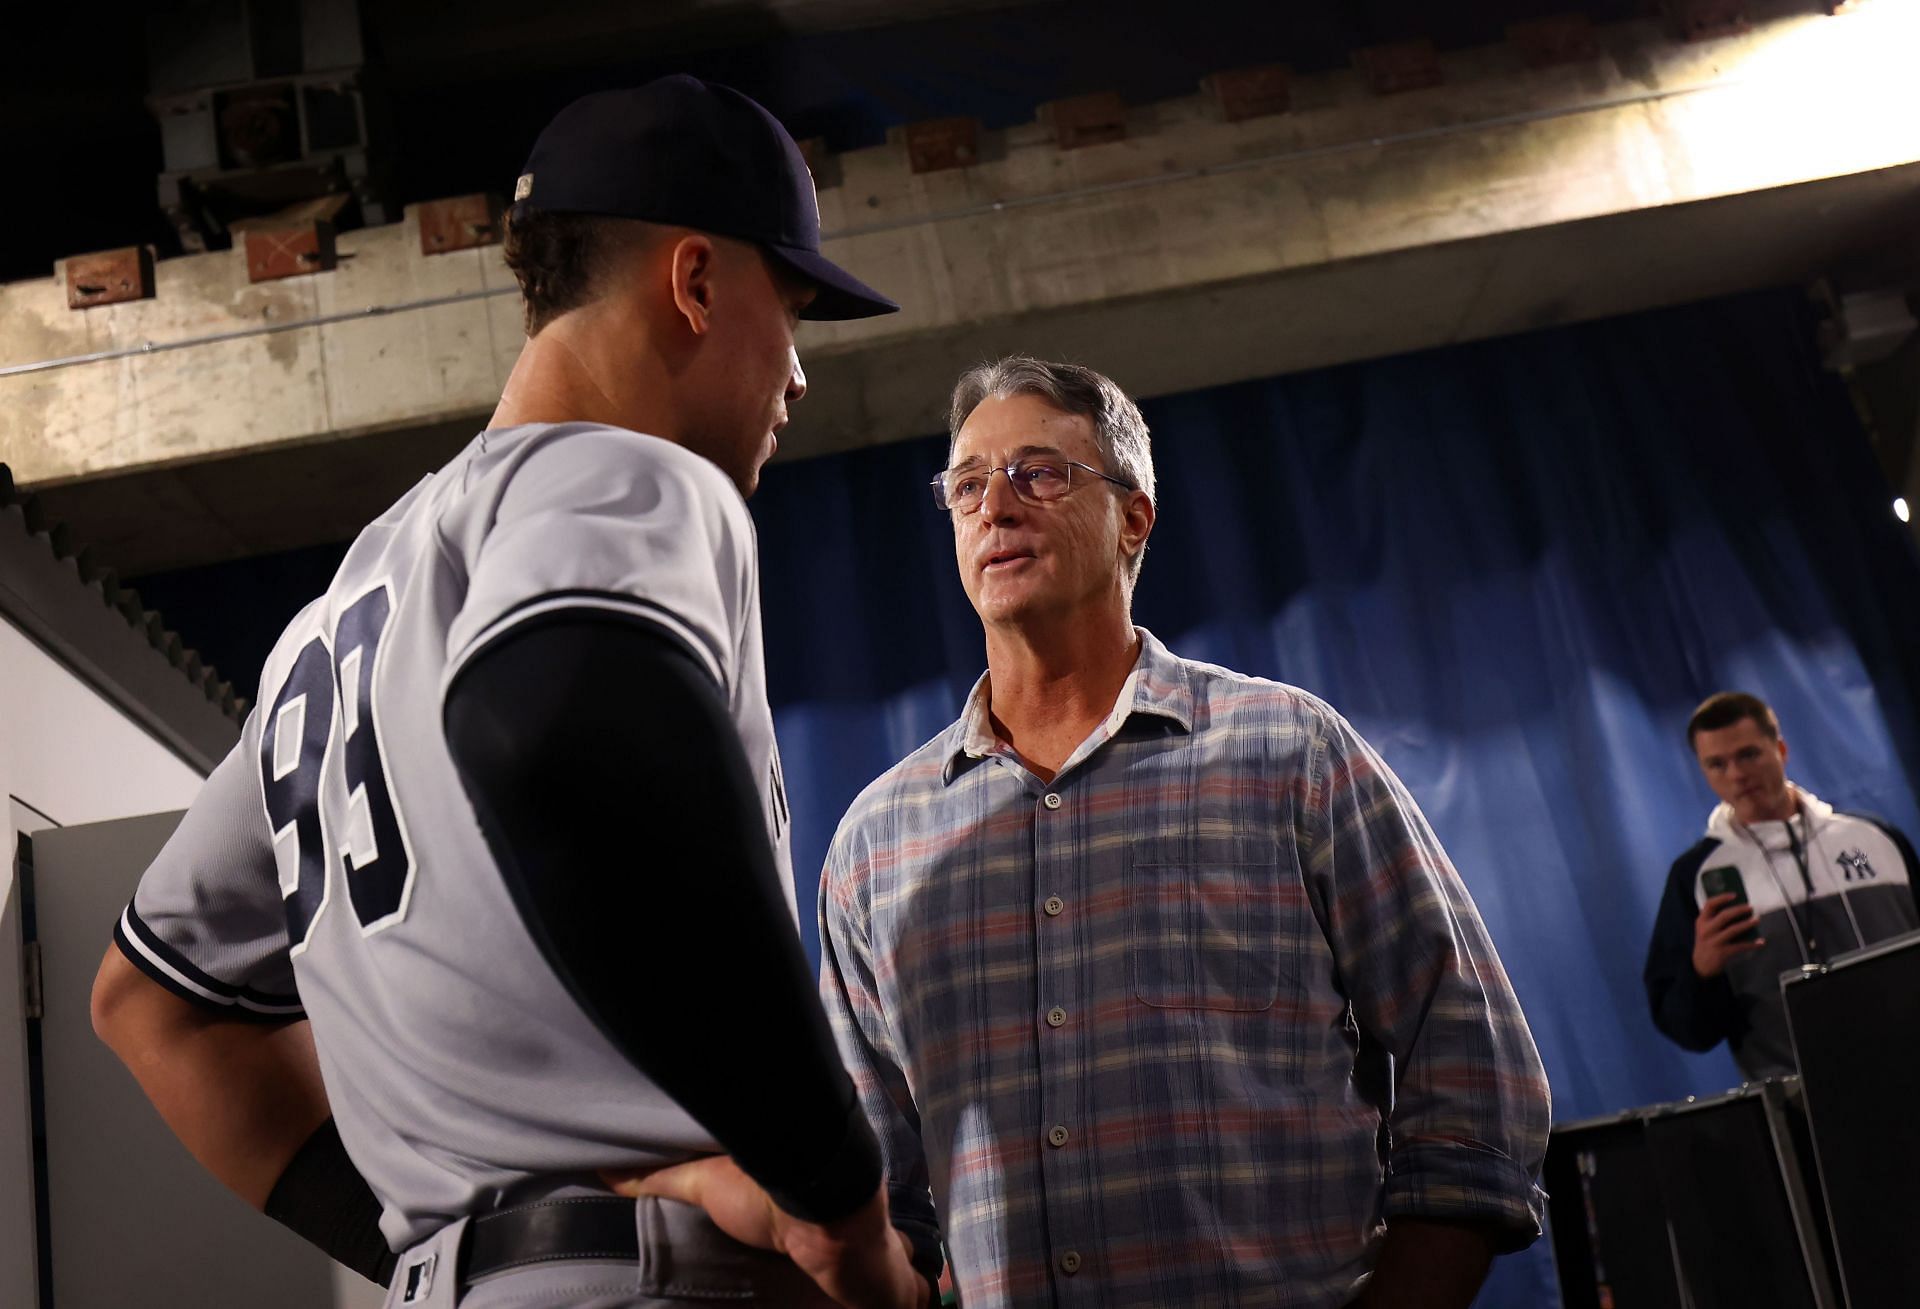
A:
(1723, 920)
(860, 1260)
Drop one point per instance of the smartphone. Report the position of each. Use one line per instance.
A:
(1719, 881)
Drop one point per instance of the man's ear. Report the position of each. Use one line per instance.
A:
(1136, 523)
(691, 267)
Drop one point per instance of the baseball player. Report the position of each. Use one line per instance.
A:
(506, 826)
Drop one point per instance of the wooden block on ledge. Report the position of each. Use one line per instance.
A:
(942, 143)
(110, 277)
(1707, 20)
(1243, 93)
(1084, 120)
(274, 253)
(461, 222)
(1403, 66)
(1555, 39)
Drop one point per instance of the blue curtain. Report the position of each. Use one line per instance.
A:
(1516, 566)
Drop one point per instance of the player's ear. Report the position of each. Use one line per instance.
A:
(691, 268)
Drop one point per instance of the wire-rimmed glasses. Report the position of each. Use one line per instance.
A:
(1037, 479)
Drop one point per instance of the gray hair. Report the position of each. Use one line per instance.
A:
(1118, 428)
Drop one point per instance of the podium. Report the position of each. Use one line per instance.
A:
(1856, 1037)
(1794, 1193)
(1699, 1204)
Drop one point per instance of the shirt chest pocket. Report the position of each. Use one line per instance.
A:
(1207, 935)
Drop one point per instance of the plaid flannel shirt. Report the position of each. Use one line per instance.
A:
(1183, 1026)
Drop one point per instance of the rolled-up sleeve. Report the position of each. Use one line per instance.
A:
(1470, 1103)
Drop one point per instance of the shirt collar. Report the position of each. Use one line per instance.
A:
(1158, 685)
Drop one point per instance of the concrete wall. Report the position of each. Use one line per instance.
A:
(1195, 252)
(1186, 201)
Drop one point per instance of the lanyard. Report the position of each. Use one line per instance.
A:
(1806, 880)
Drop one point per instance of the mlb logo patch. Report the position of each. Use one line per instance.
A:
(419, 1280)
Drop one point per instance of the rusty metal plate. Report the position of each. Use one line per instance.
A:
(942, 143)
(1708, 20)
(110, 277)
(461, 222)
(1244, 93)
(1555, 39)
(1403, 66)
(1086, 119)
(273, 253)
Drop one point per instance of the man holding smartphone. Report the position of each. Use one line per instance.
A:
(1781, 879)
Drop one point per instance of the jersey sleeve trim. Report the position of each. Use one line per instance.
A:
(610, 601)
(171, 969)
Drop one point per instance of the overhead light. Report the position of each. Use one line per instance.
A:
(1900, 508)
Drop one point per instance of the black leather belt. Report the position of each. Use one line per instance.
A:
(580, 1227)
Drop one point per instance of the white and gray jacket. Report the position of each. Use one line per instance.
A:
(1822, 883)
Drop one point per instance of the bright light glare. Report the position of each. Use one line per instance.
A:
(1900, 508)
(1812, 97)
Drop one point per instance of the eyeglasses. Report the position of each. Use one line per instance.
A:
(1036, 479)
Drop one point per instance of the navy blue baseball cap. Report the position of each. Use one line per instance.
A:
(686, 153)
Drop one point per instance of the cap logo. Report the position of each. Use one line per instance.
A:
(524, 187)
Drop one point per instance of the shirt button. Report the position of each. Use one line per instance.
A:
(1054, 905)
(1057, 1137)
(1056, 1016)
(1052, 801)
(1070, 1262)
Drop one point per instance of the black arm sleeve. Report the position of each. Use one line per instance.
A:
(612, 788)
(1695, 1012)
(322, 1197)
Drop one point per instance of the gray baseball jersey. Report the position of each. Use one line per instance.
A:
(332, 865)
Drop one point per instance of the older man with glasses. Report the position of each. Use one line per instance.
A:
(1152, 976)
